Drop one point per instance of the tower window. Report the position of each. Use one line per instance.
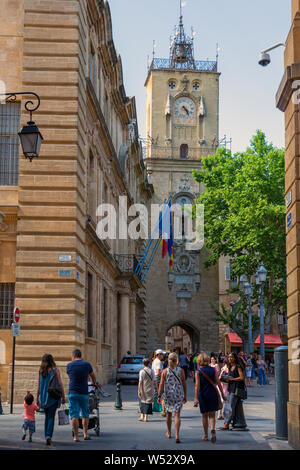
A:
(184, 150)
(172, 85)
(196, 86)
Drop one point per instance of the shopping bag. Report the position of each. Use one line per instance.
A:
(227, 411)
(63, 417)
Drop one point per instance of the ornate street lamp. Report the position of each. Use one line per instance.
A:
(261, 277)
(30, 136)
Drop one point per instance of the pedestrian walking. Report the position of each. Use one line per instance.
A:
(262, 380)
(208, 393)
(224, 372)
(249, 371)
(184, 363)
(254, 366)
(49, 401)
(172, 390)
(29, 416)
(237, 392)
(79, 372)
(146, 390)
(157, 367)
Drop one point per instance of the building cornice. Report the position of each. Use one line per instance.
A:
(286, 90)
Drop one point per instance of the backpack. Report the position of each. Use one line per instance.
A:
(54, 389)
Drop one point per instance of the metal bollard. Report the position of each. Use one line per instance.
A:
(281, 391)
(1, 409)
(118, 403)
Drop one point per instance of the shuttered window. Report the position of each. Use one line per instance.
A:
(10, 117)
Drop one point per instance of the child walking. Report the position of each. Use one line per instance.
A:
(29, 416)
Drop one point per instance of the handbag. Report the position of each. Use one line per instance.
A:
(63, 417)
(54, 389)
(241, 393)
(220, 403)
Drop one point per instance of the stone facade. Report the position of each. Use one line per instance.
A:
(71, 287)
(182, 126)
(287, 103)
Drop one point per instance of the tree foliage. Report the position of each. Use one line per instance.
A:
(244, 206)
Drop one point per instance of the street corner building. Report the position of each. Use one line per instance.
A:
(73, 289)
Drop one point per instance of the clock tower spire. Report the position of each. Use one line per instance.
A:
(182, 47)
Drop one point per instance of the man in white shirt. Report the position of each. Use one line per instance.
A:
(158, 368)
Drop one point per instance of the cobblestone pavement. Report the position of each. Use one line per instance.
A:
(121, 430)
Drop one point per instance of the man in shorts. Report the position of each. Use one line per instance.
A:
(79, 372)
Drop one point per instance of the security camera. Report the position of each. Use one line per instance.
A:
(264, 59)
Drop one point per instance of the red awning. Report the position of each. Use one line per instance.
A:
(234, 338)
(269, 340)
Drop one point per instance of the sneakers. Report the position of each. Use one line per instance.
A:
(48, 441)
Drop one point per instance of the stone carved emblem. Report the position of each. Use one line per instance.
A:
(186, 274)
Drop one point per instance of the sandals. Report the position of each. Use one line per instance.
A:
(178, 441)
(213, 436)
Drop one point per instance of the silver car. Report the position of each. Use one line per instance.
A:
(129, 368)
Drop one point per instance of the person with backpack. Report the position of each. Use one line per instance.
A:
(50, 393)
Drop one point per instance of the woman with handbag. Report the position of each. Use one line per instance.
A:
(172, 389)
(237, 392)
(146, 390)
(50, 393)
(208, 393)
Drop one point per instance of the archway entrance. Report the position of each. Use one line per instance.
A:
(183, 337)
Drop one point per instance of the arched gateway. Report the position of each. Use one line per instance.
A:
(186, 339)
(177, 116)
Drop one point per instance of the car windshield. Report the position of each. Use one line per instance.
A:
(132, 360)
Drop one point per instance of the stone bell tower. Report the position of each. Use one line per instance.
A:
(182, 126)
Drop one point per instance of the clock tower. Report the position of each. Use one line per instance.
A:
(182, 126)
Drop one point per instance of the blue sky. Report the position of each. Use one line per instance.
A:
(241, 27)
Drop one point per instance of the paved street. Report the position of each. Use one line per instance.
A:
(121, 430)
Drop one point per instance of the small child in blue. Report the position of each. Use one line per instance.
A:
(29, 416)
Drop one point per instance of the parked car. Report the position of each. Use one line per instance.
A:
(129, 368)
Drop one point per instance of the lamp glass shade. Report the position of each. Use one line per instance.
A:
(262, 273)
(248, 289)
(243, 278)
(31, 140)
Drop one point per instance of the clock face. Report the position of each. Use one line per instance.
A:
(184, 111)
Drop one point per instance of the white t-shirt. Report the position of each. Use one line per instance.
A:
(148, 371)
(157, 365)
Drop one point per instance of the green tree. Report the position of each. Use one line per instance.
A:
(244, 206)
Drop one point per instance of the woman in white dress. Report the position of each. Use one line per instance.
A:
(172, 389)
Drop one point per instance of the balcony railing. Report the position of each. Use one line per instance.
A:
(155, 151)
(200, 65)
(126, 263)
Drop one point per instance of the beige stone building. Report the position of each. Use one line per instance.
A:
(182, 126)
(72, 288)
(288, 101)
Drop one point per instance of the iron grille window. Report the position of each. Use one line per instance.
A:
(7, 302)
(10, 117)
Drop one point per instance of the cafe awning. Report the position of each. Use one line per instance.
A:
(234, 339)
(270, 340)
